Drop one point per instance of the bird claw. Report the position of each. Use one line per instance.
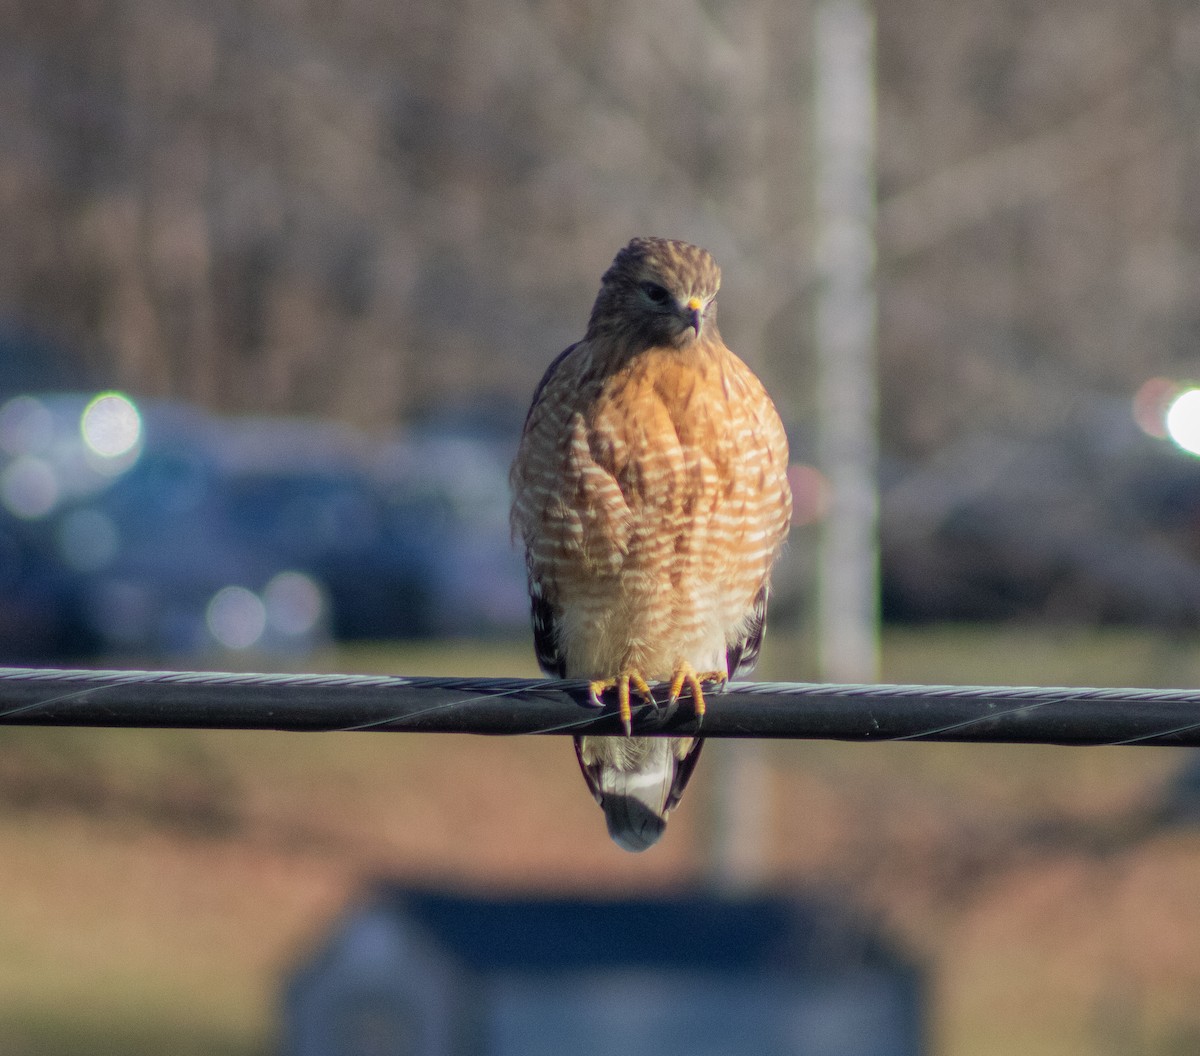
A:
(629, 682)
(686, 675)
(622, 683)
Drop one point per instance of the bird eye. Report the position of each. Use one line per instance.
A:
(655, 293)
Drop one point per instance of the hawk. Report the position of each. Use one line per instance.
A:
(650, 491)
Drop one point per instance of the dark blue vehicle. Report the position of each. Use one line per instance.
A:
(155, 530)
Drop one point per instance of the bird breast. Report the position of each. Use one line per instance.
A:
(671, 507)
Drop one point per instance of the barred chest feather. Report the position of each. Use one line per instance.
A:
(670, 506)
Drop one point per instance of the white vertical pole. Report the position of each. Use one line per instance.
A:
(742, 816)
(844, 120)
(848, 613)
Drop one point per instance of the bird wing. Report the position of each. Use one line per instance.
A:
(741, 650)
(550, 372)
(545, 613)
(591, 771)
(545, 616)
(683, 768)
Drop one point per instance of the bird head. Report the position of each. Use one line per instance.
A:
(660, 292)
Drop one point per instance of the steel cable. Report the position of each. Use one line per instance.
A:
(219, 700)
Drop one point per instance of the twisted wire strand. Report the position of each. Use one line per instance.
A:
(393, 703)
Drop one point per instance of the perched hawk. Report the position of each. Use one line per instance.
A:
(650, 490)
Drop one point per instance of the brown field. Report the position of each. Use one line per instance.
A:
(155, 885)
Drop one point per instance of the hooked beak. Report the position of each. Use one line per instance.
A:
(695, 314)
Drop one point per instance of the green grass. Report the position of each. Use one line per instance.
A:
(1045, 656)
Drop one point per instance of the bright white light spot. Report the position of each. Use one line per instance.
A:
(26, 426)
(29, 487)
(1183, 420)
(111, 426)
(236, 617)
(88, 540)
(294, 603)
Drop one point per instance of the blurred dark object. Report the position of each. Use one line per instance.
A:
(433, 974)
(154, 529)
(1094, 522)
(32, 362)
(1180, 801)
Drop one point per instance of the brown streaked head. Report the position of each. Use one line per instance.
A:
(658, 291)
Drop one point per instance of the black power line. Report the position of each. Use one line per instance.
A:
(189, 699)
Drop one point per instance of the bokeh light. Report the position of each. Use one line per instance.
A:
(1151, 402)
(1183, 420)
(112, 430)
(236, 617)
(26, 426)
(29, 487)
(294, 603)
(810, 494)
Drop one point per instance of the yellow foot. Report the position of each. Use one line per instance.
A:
(622, 682)
(686, 675)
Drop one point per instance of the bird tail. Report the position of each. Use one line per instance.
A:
(637, 781)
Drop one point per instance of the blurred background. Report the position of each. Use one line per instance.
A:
(279, 281)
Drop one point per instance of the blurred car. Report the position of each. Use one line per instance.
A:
(154, 529)
(1090, 522)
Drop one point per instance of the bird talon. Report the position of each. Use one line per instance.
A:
(625, 684)
(623, 706)
(686, 675)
